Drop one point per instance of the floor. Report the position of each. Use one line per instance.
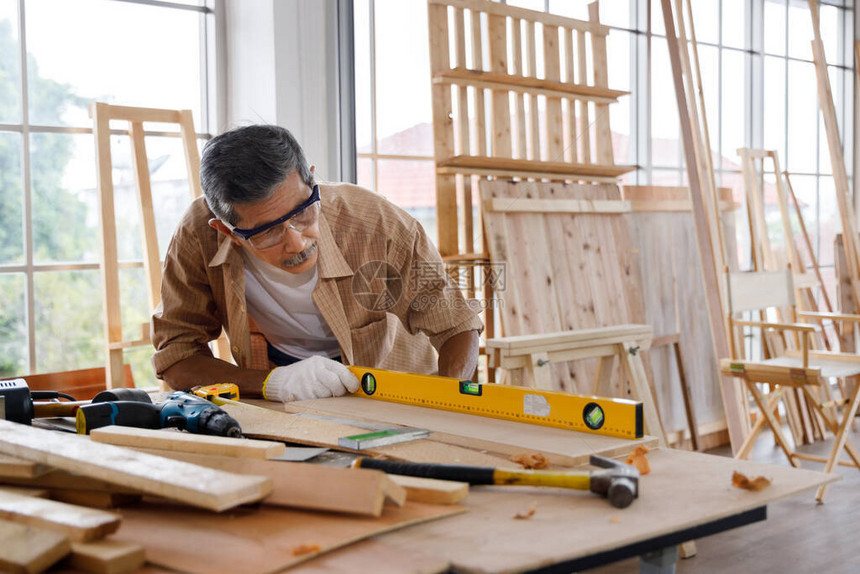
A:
(799, 536)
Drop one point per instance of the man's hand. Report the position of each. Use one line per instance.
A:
(313, 378)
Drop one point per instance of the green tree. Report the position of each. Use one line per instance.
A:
(55, 214)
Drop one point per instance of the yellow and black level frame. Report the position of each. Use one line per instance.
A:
(597, 415)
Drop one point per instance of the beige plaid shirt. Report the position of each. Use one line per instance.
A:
(382, 287)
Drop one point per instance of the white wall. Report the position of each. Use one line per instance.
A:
(281, 69)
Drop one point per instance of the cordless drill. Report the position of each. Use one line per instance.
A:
(181, 410)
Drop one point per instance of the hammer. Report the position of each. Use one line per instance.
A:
(617, 481)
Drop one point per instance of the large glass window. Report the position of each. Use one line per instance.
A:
(135, 53)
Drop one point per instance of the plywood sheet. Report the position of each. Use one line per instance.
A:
(671, 282)
(254, 540)
(376, 557)
(260, 421)
(563, 271)
(683, 490)
(564, 447)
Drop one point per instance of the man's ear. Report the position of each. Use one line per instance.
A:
(219, 226)
(313, 168)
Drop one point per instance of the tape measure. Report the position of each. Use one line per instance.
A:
(598, 415)
(217, 391)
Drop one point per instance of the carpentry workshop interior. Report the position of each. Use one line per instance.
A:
(429, 286)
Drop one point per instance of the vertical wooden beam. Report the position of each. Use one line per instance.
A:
(552, 72)
(837, 159)
(498, 31)
(151, 260)
(114, 373)
(443, 132)
(738, 422)
(605, 155)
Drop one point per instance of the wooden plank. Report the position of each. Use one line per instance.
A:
(58, 480)
(26, 549)
(25, 491)
(94, 498)
(12, 467)
(151, 261)
(106, 556)
(115, 375)
(186, 442)
(577, 338)
(263, 422)
(520, 97)
(186, 541)
(571, 135)
(443, 131)
(307, 486)
(738, 423)
(560, 169)
(837, 159)
(584, 132)
(501, 118)
(151, 474)
(534, 132)
(432, 491)
(601, 80)
(192, 155)
(552, 72)
(78, 523)
(545, 18)
(137, 114)
(478, 63)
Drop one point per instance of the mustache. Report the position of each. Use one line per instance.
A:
(300, 257)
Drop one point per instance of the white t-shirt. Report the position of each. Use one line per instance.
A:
(280, 303)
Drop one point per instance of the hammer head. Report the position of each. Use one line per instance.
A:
(619, 482)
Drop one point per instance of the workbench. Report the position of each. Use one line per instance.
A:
(686, 496)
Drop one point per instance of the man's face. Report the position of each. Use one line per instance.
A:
(297, 252)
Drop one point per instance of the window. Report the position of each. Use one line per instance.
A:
(137, 53)
(754, 76)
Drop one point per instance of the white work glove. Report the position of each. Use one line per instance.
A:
(312, 378)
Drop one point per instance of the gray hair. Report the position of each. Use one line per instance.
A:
(246, 164)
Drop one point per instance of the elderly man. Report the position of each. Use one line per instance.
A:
(329, 274)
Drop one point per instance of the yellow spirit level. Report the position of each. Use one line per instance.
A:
(613, 417)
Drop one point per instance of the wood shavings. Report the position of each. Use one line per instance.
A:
(526, 515)
(303, 549)
(638, 459)
(531, 460)
(742, 481)
(615, 519)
